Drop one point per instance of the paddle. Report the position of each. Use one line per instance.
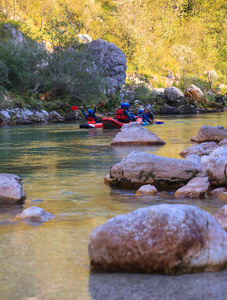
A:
(74, 108)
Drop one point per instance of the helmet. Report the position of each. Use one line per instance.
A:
(126, 105)
(122, 105)
(90, 111)
(140, 111)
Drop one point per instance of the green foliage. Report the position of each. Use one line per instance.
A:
(62, 30)
(19, 63)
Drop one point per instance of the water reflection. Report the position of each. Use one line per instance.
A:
(207, 286)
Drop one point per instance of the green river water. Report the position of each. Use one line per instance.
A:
(63, 168)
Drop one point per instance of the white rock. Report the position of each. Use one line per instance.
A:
(34, 214)
(200, 149)
(134, 133)
(11, 190)
(195, 188)
(147, 190)
(194, 157)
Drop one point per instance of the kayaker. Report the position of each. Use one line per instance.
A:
(148, 115)
(143, 116)
(122, 114)
(91, 114)
(131, 115)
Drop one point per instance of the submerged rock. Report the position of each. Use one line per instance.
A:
(217, 192)
(35, 215)
(210, 134)
(147, 190)
(11, 189)
(221, 217)
(139, 168)
(134, 133)
(195, 188)
(166, 238)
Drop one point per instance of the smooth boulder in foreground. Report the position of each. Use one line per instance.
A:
(166, 238)
(139, 168)
(134, 133)
(11, 189)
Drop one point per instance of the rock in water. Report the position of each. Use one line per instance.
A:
(195, 188)
(134, 133)
(139, 168)
(166, 238)
(34, 214)
(210, 134)
(147, 190)
(11, 189)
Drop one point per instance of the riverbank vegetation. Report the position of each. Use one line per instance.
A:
(185, 38)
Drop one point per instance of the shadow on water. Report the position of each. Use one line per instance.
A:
(200, 286)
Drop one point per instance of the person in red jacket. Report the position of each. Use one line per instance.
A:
(122, 114)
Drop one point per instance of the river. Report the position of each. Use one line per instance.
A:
(63, 168)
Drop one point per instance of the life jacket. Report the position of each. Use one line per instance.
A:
(91, 118)
(120, 114)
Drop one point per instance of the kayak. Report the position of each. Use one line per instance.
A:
(91, 124)
(110, 123)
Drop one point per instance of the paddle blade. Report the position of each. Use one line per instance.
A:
(74, 108)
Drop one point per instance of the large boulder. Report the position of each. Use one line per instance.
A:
(112, 62)
(188, 109)
(34, 215)
(200, 149)
(173, 92)
(166, 238)
(11, 189)
(210, 134)
(134, 133)
(195, 188)
(139, 168)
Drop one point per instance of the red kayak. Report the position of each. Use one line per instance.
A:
(110, 123)
(91, 124)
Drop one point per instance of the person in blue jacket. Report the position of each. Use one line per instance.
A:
(148, 115)
(127, 109)
(91, 114)
(143, 116)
